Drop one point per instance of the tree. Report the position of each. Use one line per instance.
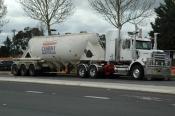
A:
(41, 27)
(165, 25)
(5, 50)
(8, 44)
(21, 39)
(120, 12)
(48, 11)
(3, 12)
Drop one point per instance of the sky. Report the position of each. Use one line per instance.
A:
(84, 18)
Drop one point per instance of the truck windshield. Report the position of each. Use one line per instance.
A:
(146, 45)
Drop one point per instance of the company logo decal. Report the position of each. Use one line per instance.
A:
(49, 47)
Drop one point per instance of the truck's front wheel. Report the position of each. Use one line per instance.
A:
(137, 72)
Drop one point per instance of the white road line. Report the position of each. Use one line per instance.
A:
(37, 92)
(149, 98)
(4, 104)
(96, 97)
(146, 98)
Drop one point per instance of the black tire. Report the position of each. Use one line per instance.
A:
(23, 70)
(15, 70)
(32, 71)
(93, 73)
(81, 71)
(137, 72)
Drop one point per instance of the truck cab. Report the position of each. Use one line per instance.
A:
(129, 52)
(137, 57)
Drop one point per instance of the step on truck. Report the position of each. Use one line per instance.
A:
(131, 55)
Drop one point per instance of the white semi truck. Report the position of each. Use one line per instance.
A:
(86, 53)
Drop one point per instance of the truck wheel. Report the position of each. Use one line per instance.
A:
(32, 71)
(23, 70)
(93, 73)
(15, 70)
(81, 71)
(137, 72)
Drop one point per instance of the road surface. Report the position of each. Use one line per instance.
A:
(26, 99)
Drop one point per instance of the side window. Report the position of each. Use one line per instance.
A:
(126, 44)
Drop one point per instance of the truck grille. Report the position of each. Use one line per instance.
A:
(159, 56)
(159, 59)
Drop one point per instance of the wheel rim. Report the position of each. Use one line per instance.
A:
(81, 72)
(136, 73)
(92, 72)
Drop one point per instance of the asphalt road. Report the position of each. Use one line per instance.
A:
(25, 99)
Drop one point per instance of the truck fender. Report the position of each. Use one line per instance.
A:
(136, 63)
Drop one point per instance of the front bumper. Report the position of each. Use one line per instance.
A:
(157, 72)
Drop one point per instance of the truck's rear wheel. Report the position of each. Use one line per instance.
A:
(81, 71)
(137, 72)
(23, 70)
(15, 70)
(93, 73)
(32, 71)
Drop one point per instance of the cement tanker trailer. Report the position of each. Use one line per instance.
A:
(132, 55)
(53, 54)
